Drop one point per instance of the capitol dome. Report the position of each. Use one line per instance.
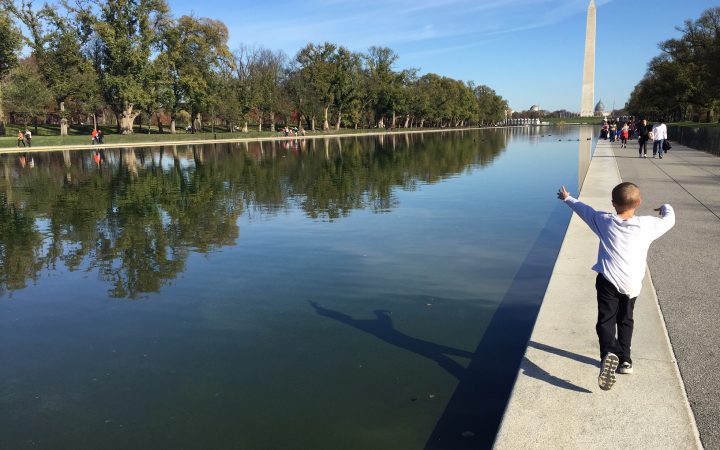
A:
(599, 108)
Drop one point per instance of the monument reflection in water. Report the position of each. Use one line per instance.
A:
(300, 294)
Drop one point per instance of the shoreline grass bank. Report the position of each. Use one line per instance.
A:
(44, 143)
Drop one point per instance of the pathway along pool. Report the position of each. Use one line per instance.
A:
(354, 293)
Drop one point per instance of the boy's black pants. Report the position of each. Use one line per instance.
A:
(615, 314)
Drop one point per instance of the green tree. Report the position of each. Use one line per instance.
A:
(318, 68)
(681, 82)
(57, 42)
(26, 93)
(268, 73)
(127, 32)
(383, 81)
(491, 107)
(346, 80)
(245, 83)
(10, 44)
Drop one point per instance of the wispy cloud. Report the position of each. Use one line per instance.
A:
(395, 22)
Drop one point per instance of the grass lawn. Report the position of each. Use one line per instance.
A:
(49, 135)
(696, 124)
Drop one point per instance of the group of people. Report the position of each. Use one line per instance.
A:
(97, 136)
(25, 137)
(294, 131)
(657, 134)
(616, 130)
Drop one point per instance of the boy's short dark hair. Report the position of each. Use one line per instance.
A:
(626, 195)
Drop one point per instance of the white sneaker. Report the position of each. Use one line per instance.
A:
(609, 365)
(625, 367)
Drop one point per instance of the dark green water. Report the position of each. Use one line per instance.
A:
(349, 293)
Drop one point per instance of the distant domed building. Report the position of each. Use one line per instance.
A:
(600, 109)
(534, 108)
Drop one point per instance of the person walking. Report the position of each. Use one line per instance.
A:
(28, 137)
(643, 138)
(659, 135)
(622, 258)
(624, 134)
(20, 138)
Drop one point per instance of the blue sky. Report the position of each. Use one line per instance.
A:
(529, 51)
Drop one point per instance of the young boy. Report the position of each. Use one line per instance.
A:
(622, 257)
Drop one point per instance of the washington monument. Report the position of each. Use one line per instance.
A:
(588, 85)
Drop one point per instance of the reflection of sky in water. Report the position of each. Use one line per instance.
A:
(228, 351)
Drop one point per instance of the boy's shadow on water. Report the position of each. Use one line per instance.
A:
(382, 328)
(473, 413)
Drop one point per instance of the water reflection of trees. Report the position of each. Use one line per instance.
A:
(134, 215)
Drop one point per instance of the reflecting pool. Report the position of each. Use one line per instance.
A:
(357, 293)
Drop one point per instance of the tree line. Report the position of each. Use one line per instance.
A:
(682, 82)
(127, 57)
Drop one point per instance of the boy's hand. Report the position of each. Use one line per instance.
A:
(659, 210)
(563, 193)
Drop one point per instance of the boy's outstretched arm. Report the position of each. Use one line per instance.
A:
(586, 213)
(667, 221)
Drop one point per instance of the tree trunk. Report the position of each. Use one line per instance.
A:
(407, 121)
(260, 117)
(339, 119)
(312, 124)
(2, 114)
(422, 122)
(272, 121)
(326, 124)
(392, 125)
(197, 123)
(245, 127)
(159, 122)
(172, 125)
(381, 122)
(125, 122)
(63, 120)
(94, 121)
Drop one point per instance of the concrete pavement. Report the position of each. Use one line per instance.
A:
(556, 402)
(686, 268)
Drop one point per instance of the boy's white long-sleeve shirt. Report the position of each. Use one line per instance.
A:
(624, 243)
